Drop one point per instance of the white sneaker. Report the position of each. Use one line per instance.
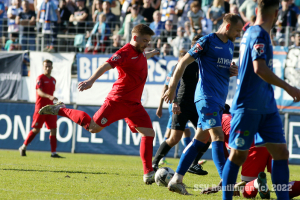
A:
(178, 187)
(51, 109)
(149, 178)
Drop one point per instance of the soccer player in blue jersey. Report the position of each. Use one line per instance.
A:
(214, 54)
(254, 108)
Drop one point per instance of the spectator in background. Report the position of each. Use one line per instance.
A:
(195, 16)
(206, 26)
(131, 20)
(216, 14)
(205, 5)
(167, 35)
(110, 17)
(296, 40)
(166, 50)
(2, 11)
(12, 12)
(96, 10)
(226, 6)
(71, 6)
(286, 17)
(168, 10)
(26, 19)
(238, 3)
(250, 23)
(147, 11)
(187, 30)
(64, 15)
(157, 26)
(49, 16)
(247, 10)
(234, 9)
(116, 45)
(155, 4)
(180, 42)
(80, 17)
(13, 43)
(182, 8)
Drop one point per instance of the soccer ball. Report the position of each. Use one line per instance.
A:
(163, 176)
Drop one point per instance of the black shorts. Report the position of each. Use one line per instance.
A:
(188, 112)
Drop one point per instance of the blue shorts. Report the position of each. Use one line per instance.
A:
(170, 118)
(210, 114)
(262, 128)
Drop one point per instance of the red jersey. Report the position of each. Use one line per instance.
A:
(47, 85)
(133, 70)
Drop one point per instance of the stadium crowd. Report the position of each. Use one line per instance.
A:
(103, 26)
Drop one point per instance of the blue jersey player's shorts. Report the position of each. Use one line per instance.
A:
(210, 114)
(170, 118)
(262, 128)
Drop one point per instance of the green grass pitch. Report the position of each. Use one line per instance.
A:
(94, 176)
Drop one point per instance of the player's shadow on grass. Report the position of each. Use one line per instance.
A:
(59, 171)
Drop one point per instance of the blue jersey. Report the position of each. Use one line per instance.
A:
(254, 95)
(214, 59)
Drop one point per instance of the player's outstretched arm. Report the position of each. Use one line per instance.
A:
(265, 73)
(45, 95)
(183, 63)
(88, 83)
(161, 102)
(152, 53)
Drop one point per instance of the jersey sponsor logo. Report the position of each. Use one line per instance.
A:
(46, 82)
(219, 47)
(212, 122)
(239, 142)
(259, 48)
(198, 48)
(134, 57)
(115, 57)
(245, 133)
(103, 120)
(230, 50)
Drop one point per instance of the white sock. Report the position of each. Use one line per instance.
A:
(23, 147)
(53, 153)
(177, 178)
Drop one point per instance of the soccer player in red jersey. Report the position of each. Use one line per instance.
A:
(45, 86)
(124, 100)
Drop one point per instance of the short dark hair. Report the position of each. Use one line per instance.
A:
(142, 29)
(264, 5)
(196, 38)
(48, 61)
(232, 18)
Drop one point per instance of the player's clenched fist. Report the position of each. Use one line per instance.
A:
(294, 92)
(84, 85)
(234, 70)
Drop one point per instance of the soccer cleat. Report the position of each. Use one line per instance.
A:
(56, 156)
(51, 109)
(177, 187)
(263, 189)
(201, 162)
(149, 178)
(22, 151)
(197, 169)
(155, 167)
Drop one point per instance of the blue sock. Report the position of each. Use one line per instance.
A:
(230, 173)
(188, 155)
(218, 155)
(186, 141)
(280, 176)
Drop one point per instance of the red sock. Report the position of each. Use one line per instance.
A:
(53, 143)
(295, 189)
(77, 116)
(29, 138)
(249, 190)
(146, 151)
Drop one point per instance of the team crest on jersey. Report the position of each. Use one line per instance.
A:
(103, 120)
(240, 142)
(212, 122)
(259, 48)
(115, 57)
(230, 50)
(198, 48)
(54, 82)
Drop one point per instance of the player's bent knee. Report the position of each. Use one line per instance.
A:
(238, 157)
